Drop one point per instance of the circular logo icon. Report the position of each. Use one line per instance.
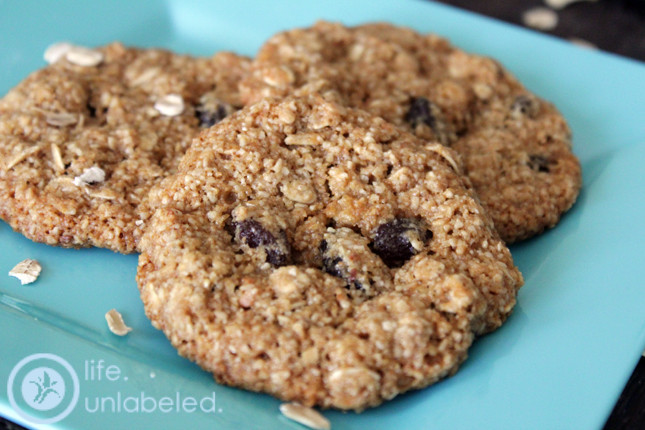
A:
(43, 388)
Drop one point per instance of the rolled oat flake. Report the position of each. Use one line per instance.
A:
(170, 105)
(56, 51)
(116, 324)
(82, 56)
(306, 416)
(540, 18)
(61, 119)
(27, 271)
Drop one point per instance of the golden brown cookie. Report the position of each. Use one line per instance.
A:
(84, 139)
(322, 255)
(516, 147)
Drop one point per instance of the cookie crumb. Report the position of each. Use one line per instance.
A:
(82, 56)
(56, 51)
(306, 416)
(540, 18)
(115, 323)
(27, 271)
(170, 105)
(299, 192)
(91, 176)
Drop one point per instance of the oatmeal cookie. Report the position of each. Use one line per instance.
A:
(322, 255)
(516, 147)
(84, 139)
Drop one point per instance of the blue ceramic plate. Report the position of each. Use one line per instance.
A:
(560, 361)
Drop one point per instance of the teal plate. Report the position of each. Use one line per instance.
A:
(559, 362)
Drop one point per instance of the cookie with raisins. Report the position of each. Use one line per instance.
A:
(322, 255)
(516, 147)
(84, 139)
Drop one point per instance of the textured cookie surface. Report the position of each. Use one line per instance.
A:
(81, 145)
(516, 148)
(322, 255)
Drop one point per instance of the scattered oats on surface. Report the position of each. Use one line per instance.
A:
(170, 105)
(540, 18)
(91, 176)
(582, 43)
(82, 56)
(61, 119)
(561, 4)
(116, 324)
(27, 271)
(305, 416)
(56, 51)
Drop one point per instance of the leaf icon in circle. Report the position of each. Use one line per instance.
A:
(45, 387)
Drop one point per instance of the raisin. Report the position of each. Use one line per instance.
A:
(421, 112)
(345, 254)
(398, 240)
(525, 105)
(91, 109)
(251, 232)
(209, 116)
(335, 266)
(539, 163)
